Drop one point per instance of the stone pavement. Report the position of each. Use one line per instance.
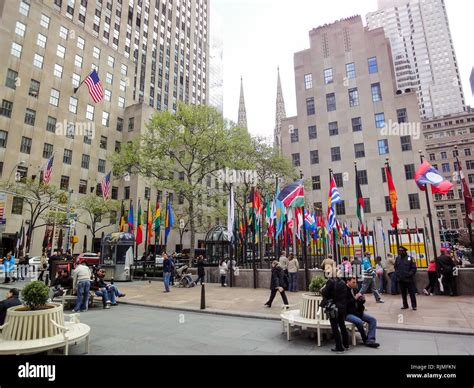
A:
(440, 314)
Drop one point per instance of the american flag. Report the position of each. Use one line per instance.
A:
(105, 186)
(95, 87)
(47, 171)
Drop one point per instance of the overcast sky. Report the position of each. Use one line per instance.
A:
(260, 35)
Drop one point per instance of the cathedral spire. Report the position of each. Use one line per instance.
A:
(280, 112)
(242, 120)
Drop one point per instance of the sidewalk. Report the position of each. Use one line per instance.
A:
(440, 314)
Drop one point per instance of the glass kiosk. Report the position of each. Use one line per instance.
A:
(117, 255)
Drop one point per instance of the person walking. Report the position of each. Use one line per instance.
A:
(446, 268)
(433, 278)
(405, 267)
(167, 268)
(392, 275)
(327, 266)
(223, 272)
(277, 284)
(82, 284)
(200, 269)
(42, 268)
(380, 273)
(293, 268)
(368, 277)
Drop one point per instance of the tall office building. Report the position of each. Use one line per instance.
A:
(348, 110)
(216, 65)
(148, 54)
(423, 53)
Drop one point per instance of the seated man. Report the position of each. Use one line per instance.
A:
(107, 291)
(12, 300)
(185, 275)
(62, 283)
(355, 313)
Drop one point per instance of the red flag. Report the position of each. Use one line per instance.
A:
(139, 224)
(393, 197)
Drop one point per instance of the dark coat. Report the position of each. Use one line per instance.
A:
(405, 267)
(5, 305)
(167, 265)
(98, 283)
(200, 268)
(277, 278)
(63, 282)
(354, 307)
(335, 290)
(445, 264)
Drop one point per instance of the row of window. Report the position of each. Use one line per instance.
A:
(444, 154)
(328, 74)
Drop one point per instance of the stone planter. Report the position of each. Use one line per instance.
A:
(310, 305)
(31, 325)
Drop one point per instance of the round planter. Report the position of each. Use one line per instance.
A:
(310, 306)
(31, 325)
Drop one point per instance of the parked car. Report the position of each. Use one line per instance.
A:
(90, 258)
(35, 263)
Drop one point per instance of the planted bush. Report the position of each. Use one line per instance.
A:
(35, 295)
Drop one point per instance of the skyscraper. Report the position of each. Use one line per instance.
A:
(423, 53)
(216, 65)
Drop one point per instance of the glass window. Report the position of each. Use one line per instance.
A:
(367, 208)
(85, 161)
(67, 157)
(406, 143)
(444, 155)
(44, 21)
(362, 177)
(25, 146)
(122, 85)
(80, 43)
(110, 61)
(123, 69)
(90, 112)
(16, 50)
(314, 156)
(402, 116)
(379, 120)
(328, 76)
(350, 71)
(58, 70)
(409, 172)
(38, 61)
(47, 150)
(356, 124)
(64, 184)
(76, 80)
(17, 204)
(383, 147)
(316, 181)
(96, 52)
(63, 32)
(338, 179)
(61, 51)
(101, 166)
(312, 132)
(3, 138)
(341, 208)
(121, 102)
(388, 204)
(376, 92)
(6, 108)
(373, 67)
(73, 104)
(82, 186)
(131, 124)
(119, 124)
(308, 81)
(24, 9)
(12, 77)
(296, 159)
(78, 61)
(384, 175)
(446, 167)
(353, 97)
(105, 119)
(294, 135)
(467, 152)
(107, 95)
(414, 201)
(359, 150)
(333, 128)
(30, 116)
(331, 102)
(41, 40)
(335, 154)
(20, 29)
(54, 97)
(108, 78)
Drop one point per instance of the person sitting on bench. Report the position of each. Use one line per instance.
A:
(62, 283)
(107, 291)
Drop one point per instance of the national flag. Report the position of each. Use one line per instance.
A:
(393, 197)
(333, 198)
(427, 174)
(384, 238)
(157, 222)
(360, 199)
(130, 219)
(105, 186)
(352, 235)
(149, 224)
(280, 213)
(309, 221)
(48, 171)
(139, 237)
(169, 221)
(95, 87)
(293, 194)
(299, 222)
(122, 219)
(466, 193)
(230, 214)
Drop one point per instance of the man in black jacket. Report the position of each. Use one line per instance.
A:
(446, 267)
(12, 300)
(277, 284)
(405, 268)
(357, 316)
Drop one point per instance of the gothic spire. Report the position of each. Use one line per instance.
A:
(280, 112)
(242, 120)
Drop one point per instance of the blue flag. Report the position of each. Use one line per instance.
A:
(169, 221)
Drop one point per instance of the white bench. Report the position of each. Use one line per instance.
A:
(72, 333)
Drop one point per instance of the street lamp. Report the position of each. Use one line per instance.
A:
(13, 169)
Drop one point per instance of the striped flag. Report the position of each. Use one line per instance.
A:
(157, 222)
(333, 198)
(122, 219)
(293, 194)
(95, 87)
(149, 224)
(130, 219)
(48, 171)
(105, 186)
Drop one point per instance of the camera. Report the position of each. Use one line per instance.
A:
(331, 311)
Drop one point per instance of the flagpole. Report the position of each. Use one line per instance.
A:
(147, 226)
(417, 243)
(245, 224)
(357, 199)
(166, 218)
(305, 257)
(157, 232)
(275, 223)
(397, 238)
(383, 241)
(376, 248)
(253, 240)
(425, 238)
(231, 272)
(430, 216)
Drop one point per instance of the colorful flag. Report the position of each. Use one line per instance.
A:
(139, 224)
(230, 214)
(169, 221)
(427, 174)
(280, 214)
(466, 193)
(130, 220)
(105, 186)
(48, 171)
(157, 222)
(293, 194)
(122, 219)
(95, 87)
(149, 224)
(393, 197)
(333, 198)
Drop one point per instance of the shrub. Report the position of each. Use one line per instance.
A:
(35, 295)
(316, 284)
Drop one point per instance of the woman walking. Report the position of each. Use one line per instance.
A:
(200, 269)
(277, 284)
(223, 272)
(293, 267)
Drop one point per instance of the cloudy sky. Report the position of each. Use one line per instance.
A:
(260, 35)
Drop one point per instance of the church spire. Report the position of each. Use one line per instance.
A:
(280, 112)
(242, 120)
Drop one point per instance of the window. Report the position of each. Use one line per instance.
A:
(51, 124)
(383, 147)
(25, 145)
(72, 104)
(308, 81)
(103, 142)
(409, 172)
(58, 70)
(454, 224)
(24, 9)
(119, 124)
(333, 129)
(17, 204)
(114, 192)
(110, 61)
(82, 186)
(414, 201)
(379, 120)
(78, 61)
(105, 119)
(3, 138)
(402, 116)
(96, 52)
(117, 146)
(350, 71)
(122, 85)
(310, 109)
(64, 185)
(101, 167)
(6, 108)
(367, 208)
(80, 43)
(123, 69)
(362, 177)
(296, 159)
(61, 51)
(353, 97)
(341, 208)
(446, 167)
(359, 150)
(331, 102)
(470, 176)
(54, 97)
(376, 92)
(470, 164)
(356, 124)
(38, 61)
(314, 156)
(406, 144)
(294, 136)
(85, 161)
(432, 157)
(67, 156)
(20, 29)
(16, 50)
(388, 204)
(338, 180)
(384, 175)
(30, 116)
(76, 80)
(11, 79)
(41, 40)
(131, 124)
(444, 155)
(328, 76)
(90, 112)
(335, 154)
(312, 132)
(467, 152)
(121, 102)
(108, 78)
(373, 67)
(316, 182)
(44, 21)
(87, 138)
(47, 150)
(63, 32)
(107, 95)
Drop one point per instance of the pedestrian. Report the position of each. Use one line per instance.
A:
(43, 265)
(11, 300)
(346, 267)
(293, 268)
(7, 267)
(167, 268)
(405, 268)
(380, 273)
(446, 268)
(277, 284)
(392, 275)
(327, 266)
(368, 278)
(223, 272)
(200, 269)
(433, 277)
(22, 271)
(283, 260)
(81, 283)
(174, 265)
(356, 268)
